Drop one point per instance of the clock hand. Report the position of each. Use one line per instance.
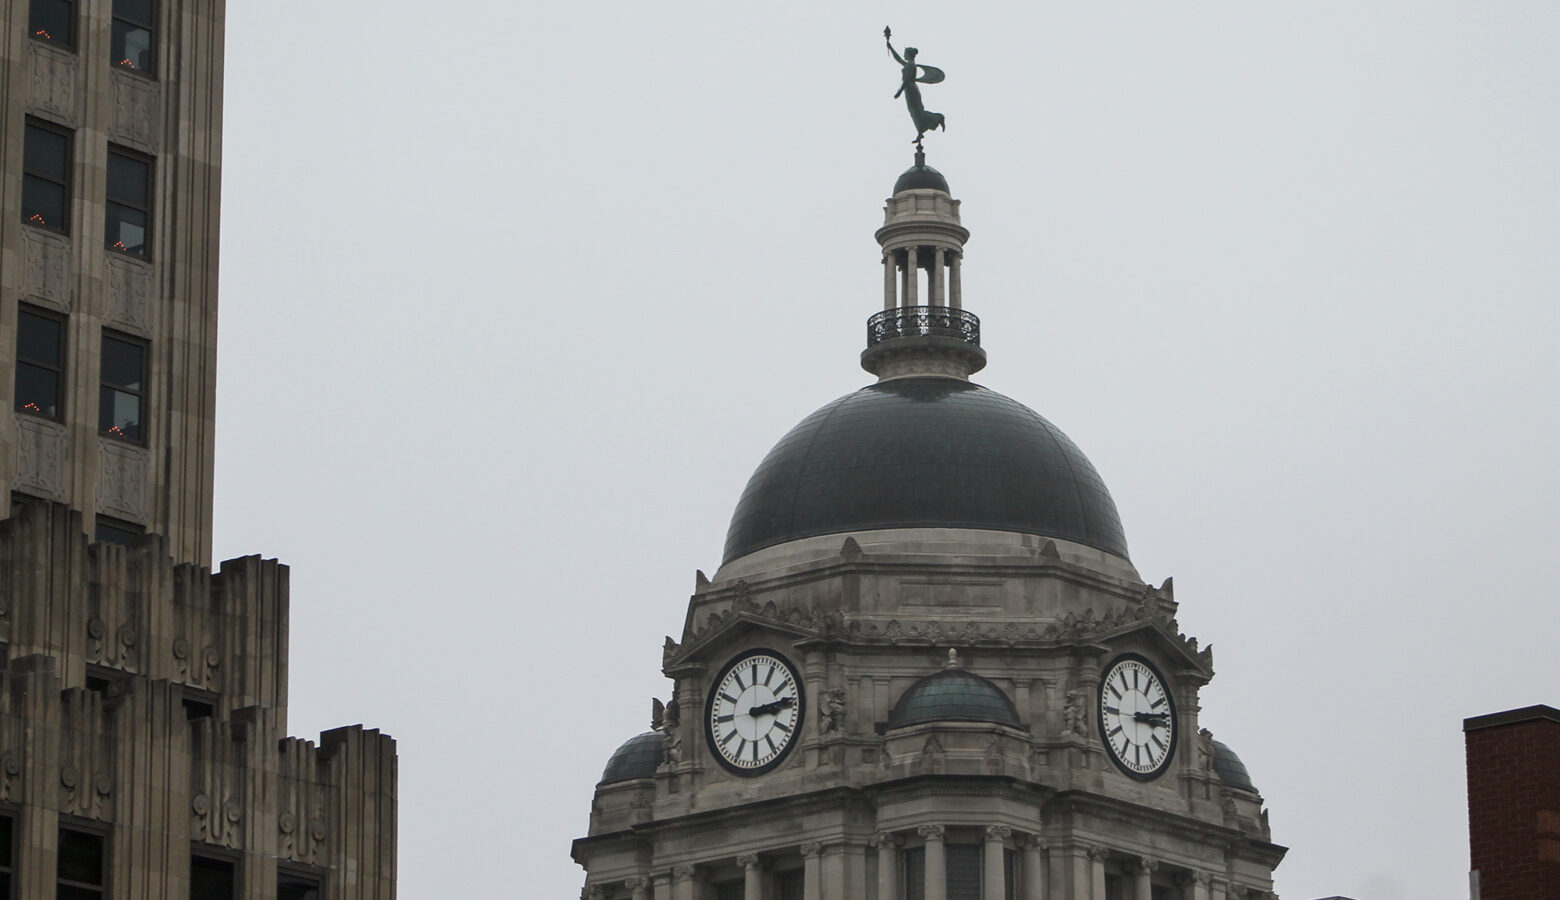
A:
(769, 708)
(1158, 718)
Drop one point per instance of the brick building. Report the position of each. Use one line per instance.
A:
(1514, 804)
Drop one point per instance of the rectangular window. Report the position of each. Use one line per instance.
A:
(212, 879)
(964, 871)
(52, 21)
(1159, 892)
(46, 176)
(5, 858)
(915, 873)
(129, 209)
(1114, 888)
(113, 531)
(81, 866)
(40, 361)
(793, 884)
(133, 46)
(730, 890)
(124, 384)
(1009, 873)
(291, 886)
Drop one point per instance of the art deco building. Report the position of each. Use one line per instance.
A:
(926, 667)
(143, 699)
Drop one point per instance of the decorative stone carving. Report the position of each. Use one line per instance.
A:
(10, 777)
(1204, 750)
(1036, 842)
(811, 849)
(932, 832)
(122, 476)
(46, 269)
(671, 732)
(1075, 713)
(998, 832)
(593, 892)
(885, 840)
(135, 111)
(1147, 865)
(216, 823)
(640, 800)
(749, 861)
(40, 457)
(53, 87)
(1099, 854)
(637, 882)
(684, 873)
(129, 294)
(831, 711)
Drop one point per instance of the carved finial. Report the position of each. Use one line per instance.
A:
(657, 713)
(850, 551)
(1049, 550)
(1168, 588)
(700, 580)
(953, 658)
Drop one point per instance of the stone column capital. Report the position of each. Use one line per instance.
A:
(684, 873)
(1147, 865)
(885, 840)
(811, 849)
(637, 882)
(1035, 842)
(998, 832)
(931, 832)
(750, 861)
(1098, 853)
(592, 892)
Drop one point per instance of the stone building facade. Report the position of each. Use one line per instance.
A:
(927, 668)
(143, 698)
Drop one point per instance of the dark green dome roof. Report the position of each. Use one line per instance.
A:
(639, 757)
(921, 176)
(924, 453)
(953, 695)
(1230, 769)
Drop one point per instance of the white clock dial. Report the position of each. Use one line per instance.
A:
(1137, 717)
(754, 712)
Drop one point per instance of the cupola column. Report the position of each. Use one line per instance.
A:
(936, 862)
(993, 882)
(890, 289)
(955, 292)
(912, 276)
(937, 281)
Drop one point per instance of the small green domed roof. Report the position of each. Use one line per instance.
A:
(953, 695)
(639, 757)
(921, 176)
(1230, 769)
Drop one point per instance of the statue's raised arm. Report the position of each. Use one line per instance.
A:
(910, 72)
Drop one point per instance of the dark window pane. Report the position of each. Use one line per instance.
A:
(5, 847)
(1113, 888)
(127, 180)
(81, 858)
(46, 152)
(120, 414)
(37, 391)
(1009, 873)
(964, 871)
(38, 339)
(50, 20)
(211, 879)
(123, 364)
(109, 533)
(66, 892)
(132, 47)
(730, 890)
(43, 203)
(125, 229)
(915, 873)
(138, 11)
(296, 887)
(792, 885)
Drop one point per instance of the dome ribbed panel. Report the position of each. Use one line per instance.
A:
(924, 453)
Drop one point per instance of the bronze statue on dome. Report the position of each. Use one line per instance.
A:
(911, 75)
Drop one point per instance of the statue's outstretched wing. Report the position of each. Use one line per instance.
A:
(930, 75)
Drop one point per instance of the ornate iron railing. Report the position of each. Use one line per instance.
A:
(923, 321)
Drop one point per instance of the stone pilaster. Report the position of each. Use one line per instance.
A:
(936, 862)
(993, 880)
(1033, 849)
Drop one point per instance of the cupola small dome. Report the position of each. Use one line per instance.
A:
(953, 695)
(921, 177)
(1230, 769)
(639, 757)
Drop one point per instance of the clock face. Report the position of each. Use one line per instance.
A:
(1137, 717)
(754, 712)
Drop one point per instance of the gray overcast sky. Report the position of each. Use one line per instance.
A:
(517, 295)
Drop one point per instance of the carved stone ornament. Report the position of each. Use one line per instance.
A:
(1145, 864)
(684, 873)
(592, 892)
(637, 882)
(831, 712)
(1204, 750)
(129, 295)
(135, 111)
(811, 849)
(53, 82)
(122, 477)
(998, 832)
(1036, 842)
(1075, 713)
(885, 840)
(932, 832)
(40, 456)
(286, 823)
(70, 776)
(1099, 854)
(749, 861)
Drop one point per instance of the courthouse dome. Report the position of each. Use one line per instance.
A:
(1230, 769)
(925, 452)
